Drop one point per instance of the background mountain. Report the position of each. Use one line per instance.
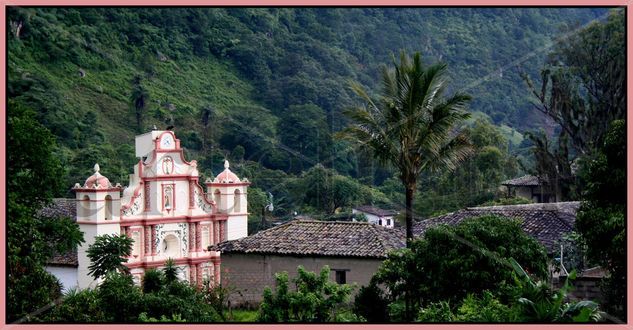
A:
(264, 87)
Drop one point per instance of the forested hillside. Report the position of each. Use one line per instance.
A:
(266, 87)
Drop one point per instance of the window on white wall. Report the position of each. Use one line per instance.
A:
(217, 197)
(108, 207)
(171, 247)
(237, 203)
(136, 248)
(85, 207)
(205, 237)
(340, 276)
(205, 273)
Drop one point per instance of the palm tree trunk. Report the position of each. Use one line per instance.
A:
(410, 190)
(409, 213)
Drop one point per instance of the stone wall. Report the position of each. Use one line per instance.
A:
(249, 274)
(585, 288)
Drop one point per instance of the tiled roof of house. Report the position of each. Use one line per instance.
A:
(66, 259)
(545, 222)
(60, 208)
(375, 210)
(321, 238)
(526, 180)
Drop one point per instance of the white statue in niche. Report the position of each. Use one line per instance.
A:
(168, 165)
(168, 198)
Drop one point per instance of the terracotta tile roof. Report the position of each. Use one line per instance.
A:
(375, 210)
(319, 238)
(67, 259)
(526, 180)
(545, 222)
(60, 208)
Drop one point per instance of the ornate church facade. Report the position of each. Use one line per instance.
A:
(165, 211)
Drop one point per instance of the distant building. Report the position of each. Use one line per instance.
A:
(352, 250)
(376, 216)
(533, 188)
(164, 210)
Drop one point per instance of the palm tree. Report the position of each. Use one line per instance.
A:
(413, 126)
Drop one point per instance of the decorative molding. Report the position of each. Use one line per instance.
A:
(202, 203)
(148, 203)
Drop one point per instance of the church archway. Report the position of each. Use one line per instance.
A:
(237, 201)
(217, 197)
(85, 208)
(171, 246)
(108, 207)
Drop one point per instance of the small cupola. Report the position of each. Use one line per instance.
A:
(97, 180)
(227, 176)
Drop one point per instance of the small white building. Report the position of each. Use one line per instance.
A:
(376, 215)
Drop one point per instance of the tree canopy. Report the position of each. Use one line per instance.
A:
(448, 263)
(412, 126)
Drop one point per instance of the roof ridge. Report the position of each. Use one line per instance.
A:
(257, 233)
(327, 221)
(526, 206)
(443, 215)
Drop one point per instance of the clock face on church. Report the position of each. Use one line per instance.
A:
(167, 142)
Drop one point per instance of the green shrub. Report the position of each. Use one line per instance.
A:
(316, 299)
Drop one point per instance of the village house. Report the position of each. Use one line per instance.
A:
(355, 250)
(533, 188)
(352, 250)
(548, 223)
(376, 216)
(164, 210)
(545, 222)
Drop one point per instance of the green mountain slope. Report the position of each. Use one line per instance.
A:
(76, 66)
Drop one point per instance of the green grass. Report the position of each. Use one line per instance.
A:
(244, 315)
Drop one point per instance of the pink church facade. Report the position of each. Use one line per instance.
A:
(165, 211)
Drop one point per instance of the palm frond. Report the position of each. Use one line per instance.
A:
(451, 154)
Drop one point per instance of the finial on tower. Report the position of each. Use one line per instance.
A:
(96, 168)
(226, 163)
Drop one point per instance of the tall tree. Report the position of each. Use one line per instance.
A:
(602, 217)
(206, 118)
(139, 99)
(413, 127)
(326, 191)
(304, 129)
(34, 176)
(583, 91)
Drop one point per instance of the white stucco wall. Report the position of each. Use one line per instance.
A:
(66, 275)
(374, 219)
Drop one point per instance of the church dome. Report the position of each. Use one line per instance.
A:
(227, 176)
(97, 179)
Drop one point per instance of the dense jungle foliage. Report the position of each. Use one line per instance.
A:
(265, 87)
